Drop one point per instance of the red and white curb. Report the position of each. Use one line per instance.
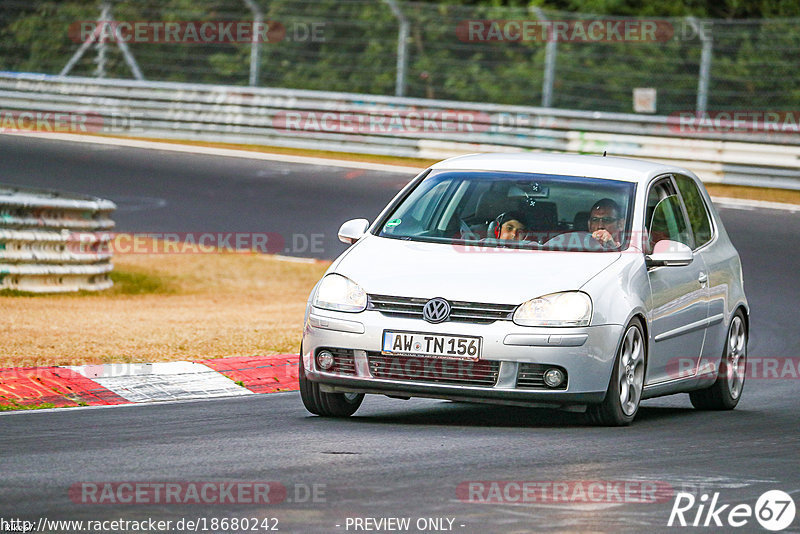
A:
(110, 384)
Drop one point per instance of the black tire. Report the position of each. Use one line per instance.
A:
(725, 393)
(326, 404)
(611, 412)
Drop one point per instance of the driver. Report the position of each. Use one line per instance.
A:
(508, 226)
(605, 222)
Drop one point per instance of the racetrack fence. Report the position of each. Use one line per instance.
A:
(54, 242)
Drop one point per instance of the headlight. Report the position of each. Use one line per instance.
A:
(570, 308)
(339, 293)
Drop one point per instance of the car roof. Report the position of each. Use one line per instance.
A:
(630, 170)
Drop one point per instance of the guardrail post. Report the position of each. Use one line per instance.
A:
(255, 46)
(402, 48)
(549, 63)
(705, 65)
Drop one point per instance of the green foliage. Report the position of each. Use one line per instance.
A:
(136, 283)
(13, 406)
(754, 63)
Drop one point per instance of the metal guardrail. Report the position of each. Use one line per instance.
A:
(373, 124)
(54, 242)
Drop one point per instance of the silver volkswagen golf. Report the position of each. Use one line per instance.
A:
(584, 283)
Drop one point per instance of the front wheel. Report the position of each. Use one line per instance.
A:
(727, 389)
(627, 379)
(326, 404)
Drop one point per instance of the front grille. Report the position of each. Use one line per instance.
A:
(467, 312)
(441, 371)
(531, 376)
(344, 361)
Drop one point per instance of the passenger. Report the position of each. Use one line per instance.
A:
(508, 226)
(605, 221)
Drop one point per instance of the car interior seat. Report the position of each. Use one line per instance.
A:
(580, 223)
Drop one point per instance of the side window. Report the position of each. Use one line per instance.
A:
(665, 218)
(695, 207)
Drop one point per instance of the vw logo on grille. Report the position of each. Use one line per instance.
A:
(436, 310)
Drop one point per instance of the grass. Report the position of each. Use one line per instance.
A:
(754, 193)
(139, 283)
(125, 283)
(15, 406)
(164, 307)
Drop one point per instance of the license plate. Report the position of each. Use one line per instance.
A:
(431, 345)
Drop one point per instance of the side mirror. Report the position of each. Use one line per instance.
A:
(670, 254)
(353, 230)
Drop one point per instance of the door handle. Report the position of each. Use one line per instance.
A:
(702, 278)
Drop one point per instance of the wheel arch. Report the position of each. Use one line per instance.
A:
(645, 327)
(745, 314)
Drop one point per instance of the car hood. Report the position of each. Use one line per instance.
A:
(394, 267)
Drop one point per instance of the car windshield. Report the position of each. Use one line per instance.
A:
(515, 210)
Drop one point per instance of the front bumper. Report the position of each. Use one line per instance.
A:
(587, 354)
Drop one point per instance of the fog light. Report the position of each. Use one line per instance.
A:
(325, 360)
(553, 377)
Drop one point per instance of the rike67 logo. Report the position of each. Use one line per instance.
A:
(774, 510)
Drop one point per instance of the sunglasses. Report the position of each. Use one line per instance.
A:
(604, 220)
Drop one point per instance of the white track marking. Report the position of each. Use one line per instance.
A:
(145, 382)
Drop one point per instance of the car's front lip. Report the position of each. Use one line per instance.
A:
(586, 352)
(540, 398)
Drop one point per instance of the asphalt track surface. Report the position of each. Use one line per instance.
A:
(393, 458)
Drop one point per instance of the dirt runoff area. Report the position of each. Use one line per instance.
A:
(165, 307)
